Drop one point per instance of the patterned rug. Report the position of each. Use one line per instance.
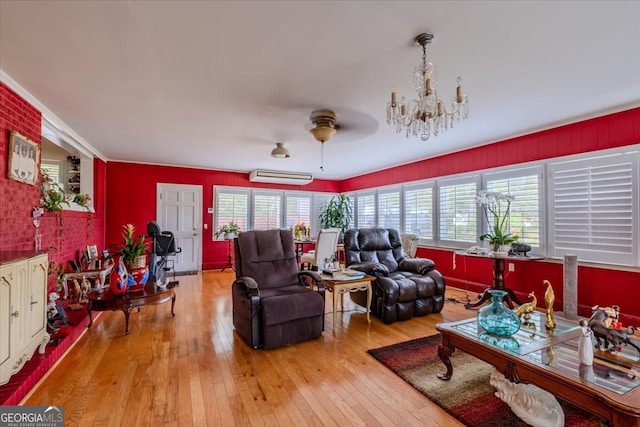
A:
(467, 396)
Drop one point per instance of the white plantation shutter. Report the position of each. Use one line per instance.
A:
(297, 209)
(592, 206)
(458, 210)
(320, 201)
(232, 205)
(267, 211)
(418, 211)
(365, 210)
(389, 208)
(524, 216)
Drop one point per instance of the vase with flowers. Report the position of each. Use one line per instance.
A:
(229, 231)
(301, 231)
(496, 207)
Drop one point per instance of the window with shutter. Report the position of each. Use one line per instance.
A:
(267, 211)
(297, 210)
(232, 205)
(593, 209)
(418, 211)
(457, 209)
(389, 209)
(365, 210)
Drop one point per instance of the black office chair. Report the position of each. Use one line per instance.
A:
(163, 247)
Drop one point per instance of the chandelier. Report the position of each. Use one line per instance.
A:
(427, 114)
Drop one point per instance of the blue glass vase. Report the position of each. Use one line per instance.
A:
(496, 318)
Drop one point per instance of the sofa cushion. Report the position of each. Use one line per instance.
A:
(288, 303)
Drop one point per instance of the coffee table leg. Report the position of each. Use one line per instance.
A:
(444, 353)
(173, 302)
(90, 316)
(126, 320)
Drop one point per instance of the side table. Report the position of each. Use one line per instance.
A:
(150, 294)
(340, 287)
(498, 277)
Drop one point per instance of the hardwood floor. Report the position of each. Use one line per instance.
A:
(192, 370)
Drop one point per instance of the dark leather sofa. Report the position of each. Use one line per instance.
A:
(404, 287)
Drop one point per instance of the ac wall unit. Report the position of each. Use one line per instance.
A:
(275, 177)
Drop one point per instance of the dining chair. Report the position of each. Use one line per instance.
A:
(325, 249)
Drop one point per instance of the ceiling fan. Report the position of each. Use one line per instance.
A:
(324, 127)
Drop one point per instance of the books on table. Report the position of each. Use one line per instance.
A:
(347, 275)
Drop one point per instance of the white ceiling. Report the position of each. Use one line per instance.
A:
(215, 84)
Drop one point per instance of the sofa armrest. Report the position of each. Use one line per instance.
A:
(314, 276)
(375, 269)
(248, 284)
(416, 265)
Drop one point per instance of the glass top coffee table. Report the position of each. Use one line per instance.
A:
(549, 360)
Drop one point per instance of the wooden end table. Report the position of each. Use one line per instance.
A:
(149, 295)
(340, 287)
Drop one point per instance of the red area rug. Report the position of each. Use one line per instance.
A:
(467, 396)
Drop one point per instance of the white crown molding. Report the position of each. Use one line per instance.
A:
(53, 122)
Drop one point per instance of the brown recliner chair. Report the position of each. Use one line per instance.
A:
(404, 287)
(272, 304)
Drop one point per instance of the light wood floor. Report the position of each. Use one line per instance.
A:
(193, 370)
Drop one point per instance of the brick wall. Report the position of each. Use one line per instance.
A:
(17, 199)
(63, 233)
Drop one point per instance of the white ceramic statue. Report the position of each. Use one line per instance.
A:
(531, 404)
(585, 345)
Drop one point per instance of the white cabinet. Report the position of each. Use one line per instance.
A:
(23, 310)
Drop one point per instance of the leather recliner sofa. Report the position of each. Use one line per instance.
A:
(404, 287)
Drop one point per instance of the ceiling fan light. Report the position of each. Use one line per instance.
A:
(280, 152)
(322, 133)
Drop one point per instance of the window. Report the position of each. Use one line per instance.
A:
(457, 209)
(592, 206)
(389, 209)
(365, 210)
(267, 211)
(524, 216)
(52, 168)
(297, 210)
(232, 205)
(418, 211)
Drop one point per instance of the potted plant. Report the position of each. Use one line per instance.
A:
(133, 251)
(52, 196)
(497, 217)
(229, 231)
(338, 213)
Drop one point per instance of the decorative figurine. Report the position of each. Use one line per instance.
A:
(585, 346)
(525, 310)
(613, 313)
(531, 404)
(76, 289)
(549, 298)
(611, 336)
(84, 289)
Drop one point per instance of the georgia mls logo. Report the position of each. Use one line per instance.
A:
(31, 416)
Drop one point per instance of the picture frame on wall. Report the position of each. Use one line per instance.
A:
(23, 159)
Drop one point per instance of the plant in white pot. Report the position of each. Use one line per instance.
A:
(228, 231)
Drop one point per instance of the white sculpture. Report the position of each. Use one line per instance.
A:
(585, 345)
(531, 404)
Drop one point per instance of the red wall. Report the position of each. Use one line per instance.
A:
(134, 200)
(63, 233)
(615, 130)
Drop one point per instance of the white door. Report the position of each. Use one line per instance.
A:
(179, 210)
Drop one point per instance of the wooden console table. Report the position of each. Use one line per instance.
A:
(150, 294)
(498, 277)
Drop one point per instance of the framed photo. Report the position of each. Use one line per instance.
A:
(24, 158)
(92, 252)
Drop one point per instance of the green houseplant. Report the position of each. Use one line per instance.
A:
(133, 251)
(52, 196)
(337, 213)
(228, 229)
(497, 216)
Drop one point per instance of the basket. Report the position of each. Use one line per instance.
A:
(139, 262)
